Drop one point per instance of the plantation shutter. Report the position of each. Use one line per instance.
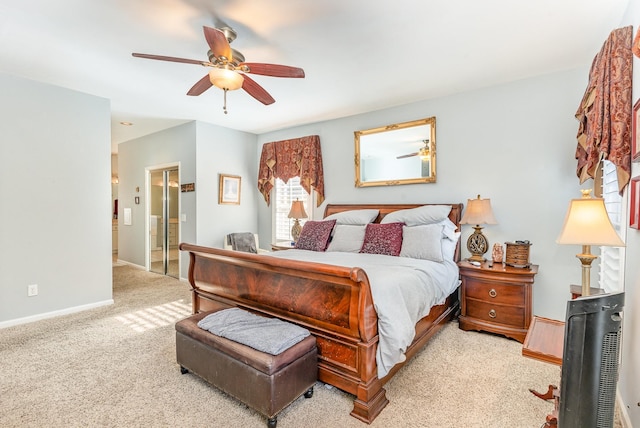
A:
(612, 258)
(284, 195)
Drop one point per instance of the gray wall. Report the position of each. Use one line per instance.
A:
(225, 151)
(513, 143)
(174, 146)
(55, 219)
(202, 151)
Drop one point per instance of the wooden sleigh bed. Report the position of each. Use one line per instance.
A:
(335, 303)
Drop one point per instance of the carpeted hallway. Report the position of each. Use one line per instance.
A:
(115, 367)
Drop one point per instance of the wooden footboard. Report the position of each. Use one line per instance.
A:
(333, 302)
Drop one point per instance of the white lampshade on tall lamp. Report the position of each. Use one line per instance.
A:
(587, 223)
(297, 212)
(478, 212)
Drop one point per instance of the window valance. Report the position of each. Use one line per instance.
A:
(605, 111)
(298, 157)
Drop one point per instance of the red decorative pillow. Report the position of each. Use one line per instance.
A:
(383, 239)
(315, 235)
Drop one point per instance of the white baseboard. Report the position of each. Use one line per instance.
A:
(67, 311)
(121, 262)
(53, 314)
(126, 263)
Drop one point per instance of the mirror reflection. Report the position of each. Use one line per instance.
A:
(402, 153)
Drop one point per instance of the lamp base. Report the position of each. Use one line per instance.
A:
(476, 258)
(477, 245)
(296, 229)
(586, 258)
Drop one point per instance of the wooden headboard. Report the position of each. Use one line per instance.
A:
(455, 215)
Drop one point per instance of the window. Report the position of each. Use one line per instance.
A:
(283, 195)
(611, 274)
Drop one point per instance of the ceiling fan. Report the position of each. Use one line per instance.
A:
(423, 152)
(229, 71)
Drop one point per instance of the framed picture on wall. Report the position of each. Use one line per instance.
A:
(634, 203)
(229, 189)
(635, 132)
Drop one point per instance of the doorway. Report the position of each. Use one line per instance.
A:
(164, 224)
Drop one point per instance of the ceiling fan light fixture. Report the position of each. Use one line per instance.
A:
(423, 153)
(224, 78)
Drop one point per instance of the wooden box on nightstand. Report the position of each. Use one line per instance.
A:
(496, 298)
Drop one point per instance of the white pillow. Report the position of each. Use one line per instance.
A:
(427, 214)
(348, 238)
(449, 246)
(423, 242)
(450, 240)
(449, 229)
(354, 217)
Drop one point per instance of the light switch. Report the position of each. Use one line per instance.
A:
(127, 216)
(183, 217)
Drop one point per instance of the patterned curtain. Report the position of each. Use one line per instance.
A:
(605, 111)
(299, 157)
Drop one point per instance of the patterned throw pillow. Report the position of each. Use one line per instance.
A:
(315, 235)
(383, 239)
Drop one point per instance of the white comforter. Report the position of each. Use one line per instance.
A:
(403, 291)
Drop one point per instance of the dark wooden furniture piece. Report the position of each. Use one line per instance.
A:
(496, 298)
(544, 340)
(576, 291)
(332, 302)
(266, 383)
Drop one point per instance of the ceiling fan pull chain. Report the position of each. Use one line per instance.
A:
(225, 101)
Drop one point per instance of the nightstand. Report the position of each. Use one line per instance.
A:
(496, 298)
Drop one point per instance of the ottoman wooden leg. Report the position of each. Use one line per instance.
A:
(309, 393)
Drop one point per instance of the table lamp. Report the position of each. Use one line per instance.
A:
(297, 212)
(478, 212)
(587, 223)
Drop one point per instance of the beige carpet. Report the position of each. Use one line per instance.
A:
(115, 367)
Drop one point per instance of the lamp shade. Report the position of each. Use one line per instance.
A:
(587, 223)
(297, 210)
(478, 212)
(226, 79)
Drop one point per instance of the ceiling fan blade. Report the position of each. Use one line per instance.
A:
(169, 58)
(217, 42)
(273, 70)
(257, 91)
(408, 156)
(200, 86)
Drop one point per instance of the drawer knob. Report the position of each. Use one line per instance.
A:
(492, 313)
(493, 293)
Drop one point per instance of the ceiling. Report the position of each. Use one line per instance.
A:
(358, 55)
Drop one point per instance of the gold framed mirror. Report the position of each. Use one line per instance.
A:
(402, 153)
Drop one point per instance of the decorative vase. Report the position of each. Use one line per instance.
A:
(497, 254)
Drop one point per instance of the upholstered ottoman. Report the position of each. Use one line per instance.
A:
(267, 383)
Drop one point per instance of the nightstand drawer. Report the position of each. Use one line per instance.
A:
(494, 292)
(506, 315)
